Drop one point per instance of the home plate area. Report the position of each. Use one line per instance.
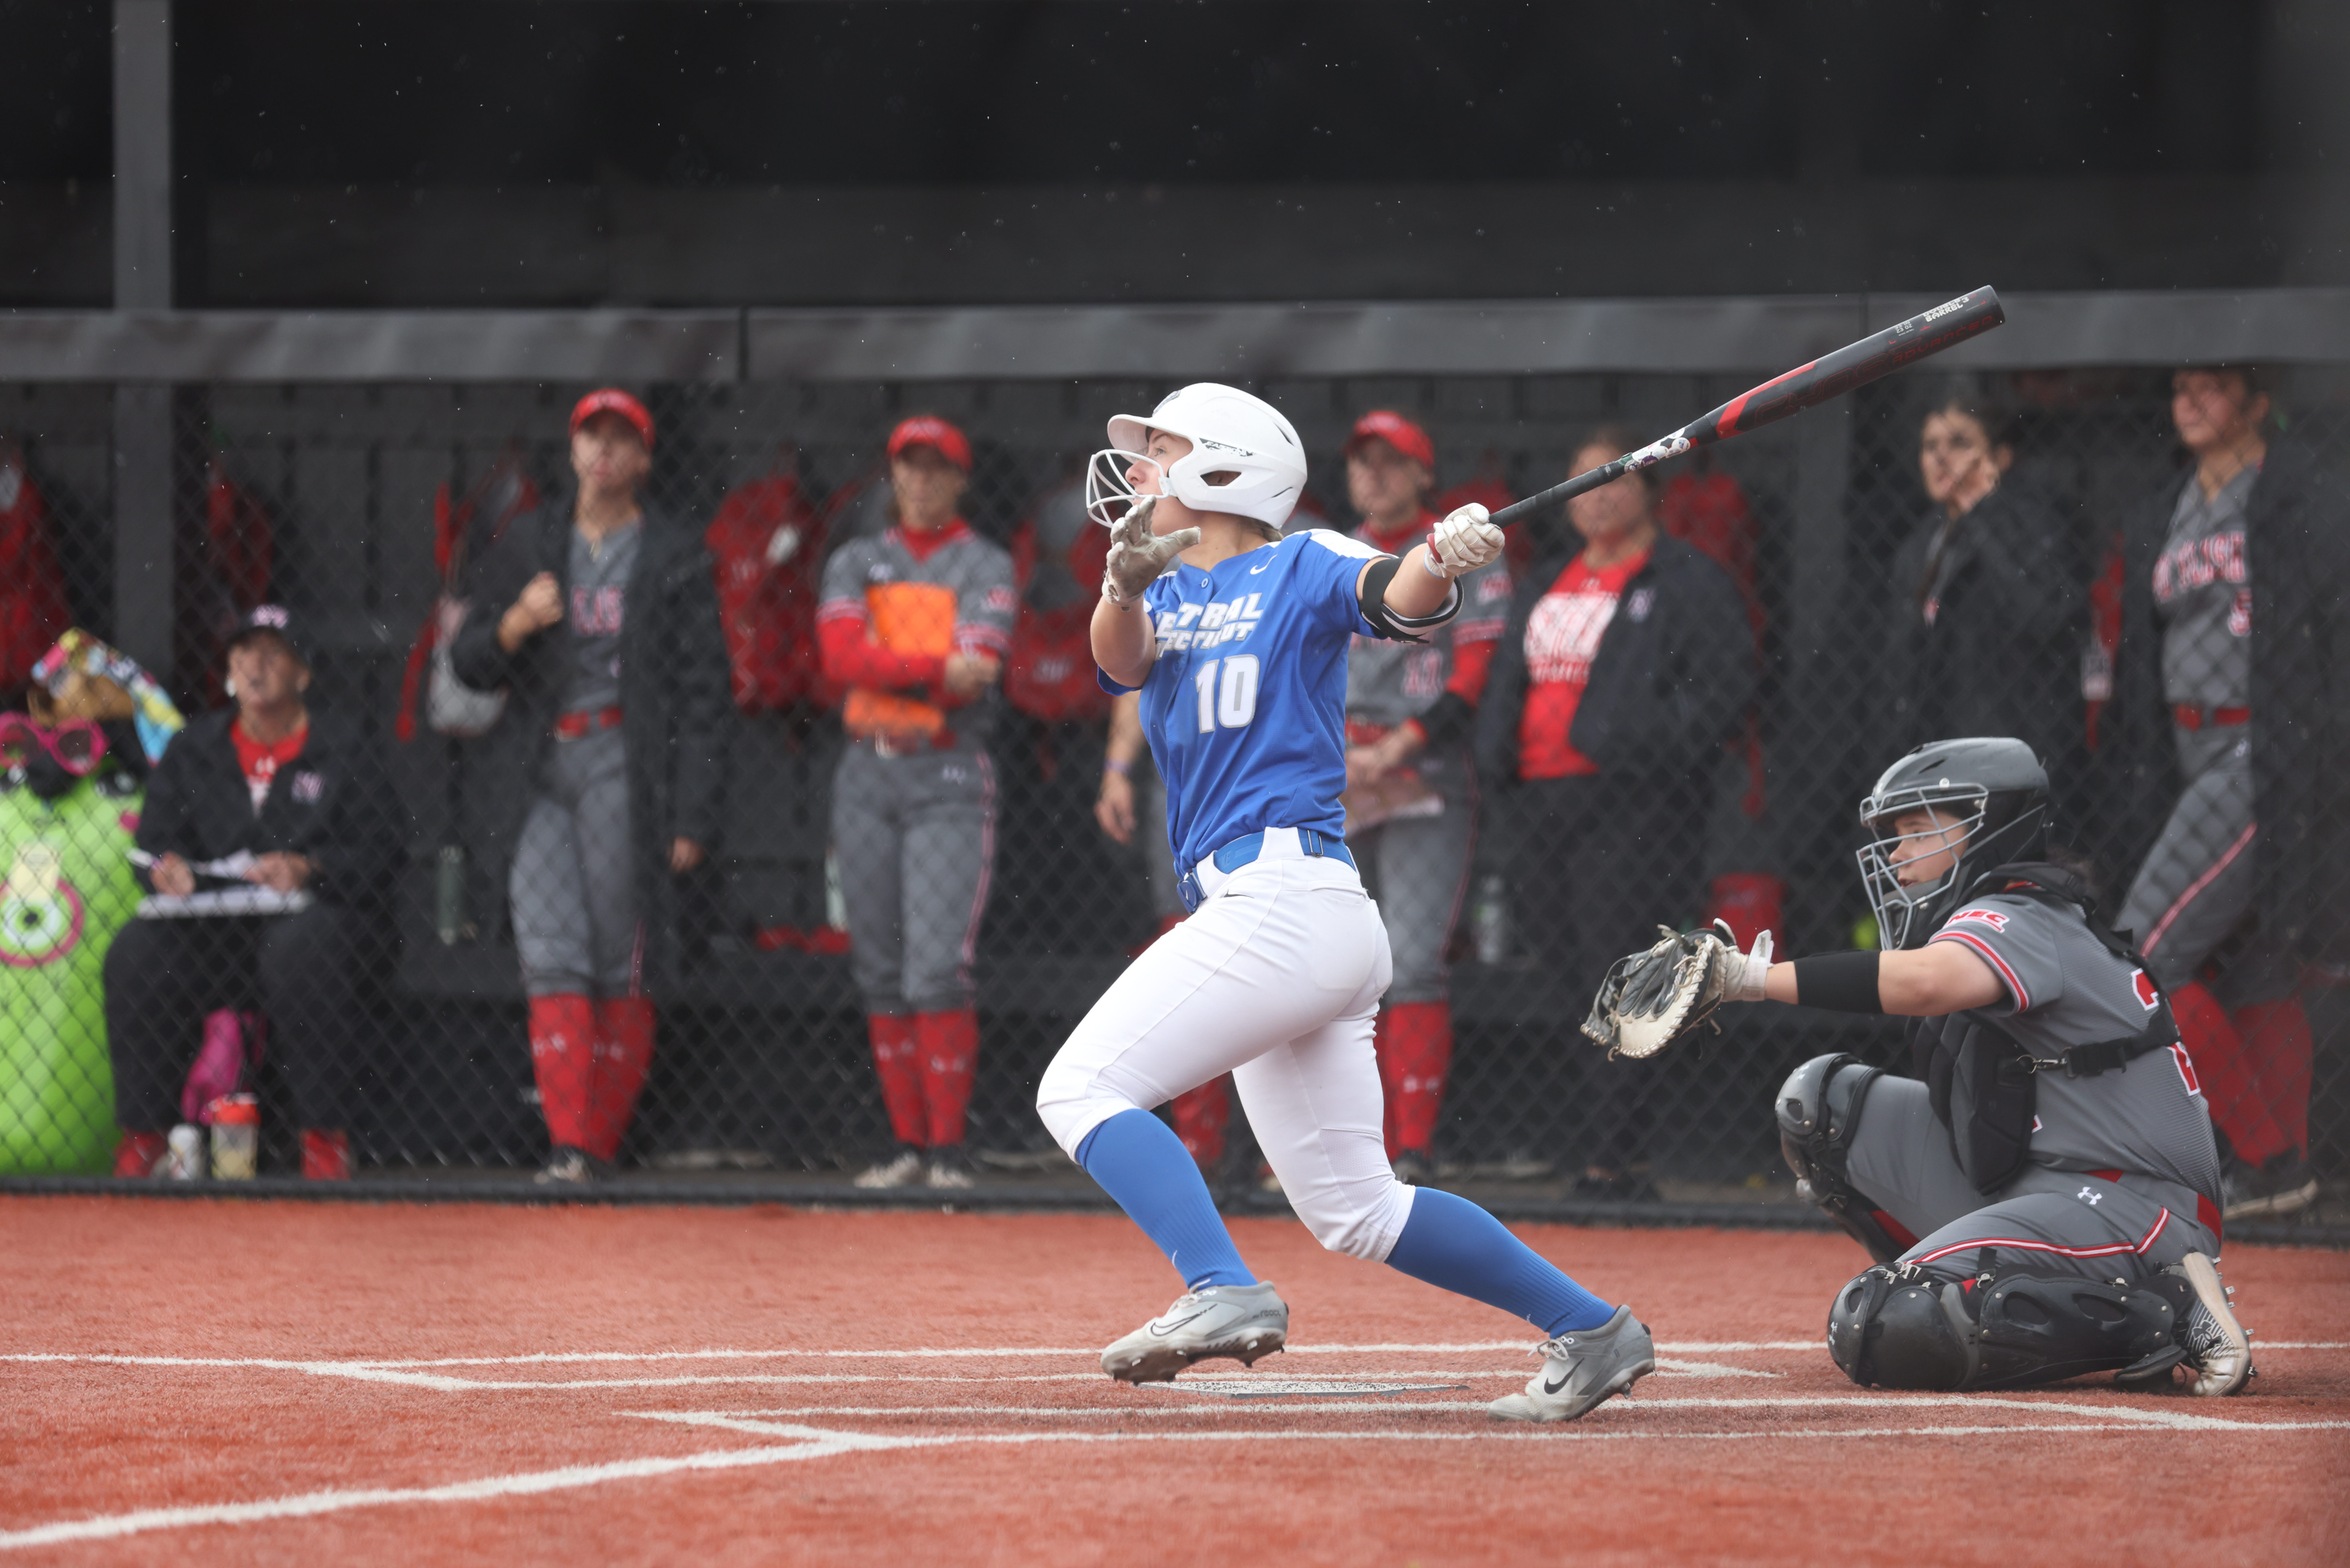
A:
(261, 1429)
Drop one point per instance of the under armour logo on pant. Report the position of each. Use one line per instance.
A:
(2092, 1198)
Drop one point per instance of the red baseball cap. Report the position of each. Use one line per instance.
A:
(611, 400)
(1385, 424)
(935, 433)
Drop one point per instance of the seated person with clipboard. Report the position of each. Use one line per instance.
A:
(269, 839)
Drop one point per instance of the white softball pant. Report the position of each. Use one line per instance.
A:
(1276, 980)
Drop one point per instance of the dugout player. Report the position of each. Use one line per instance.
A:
(915, 622)
(1237, 637)
(2042, 1198)
(610, 652)
(1411, 797)
(2231, 698)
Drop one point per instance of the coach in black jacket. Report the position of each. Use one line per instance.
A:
(304, 792)
(1986, 612)
(1609, 807)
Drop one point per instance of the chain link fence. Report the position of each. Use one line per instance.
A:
(847, 900)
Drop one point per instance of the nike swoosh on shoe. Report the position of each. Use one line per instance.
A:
(1159, 1331)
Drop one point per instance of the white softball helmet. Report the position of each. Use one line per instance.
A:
(1244, 459)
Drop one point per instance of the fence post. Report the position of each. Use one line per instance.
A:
(143, 247)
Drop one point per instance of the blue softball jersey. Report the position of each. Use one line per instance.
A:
(1245, 708)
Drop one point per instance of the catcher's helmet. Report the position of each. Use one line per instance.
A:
(1999, 793)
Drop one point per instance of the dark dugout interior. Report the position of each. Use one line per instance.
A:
(413, 154)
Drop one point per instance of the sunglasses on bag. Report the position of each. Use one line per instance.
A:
(77, 745)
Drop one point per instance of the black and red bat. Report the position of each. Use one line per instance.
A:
(1855, 364)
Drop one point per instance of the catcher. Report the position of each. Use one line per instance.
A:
(2041, 1198)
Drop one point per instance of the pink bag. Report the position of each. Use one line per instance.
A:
(220, 1065)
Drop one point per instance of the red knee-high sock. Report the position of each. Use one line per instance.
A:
(563, 1060)
(1418, 1053)
(894, 1059)
(949, 1043)
(624, 1053)
(2222, 1067)
(1201, 1115)
(2277, 1049)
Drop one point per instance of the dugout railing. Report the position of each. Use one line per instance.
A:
(186, 467)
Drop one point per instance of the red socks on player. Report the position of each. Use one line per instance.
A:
(1414, 1042)
(2254, 1066)
(896, 1060)
(563, 1060)
(590, 1060)
(949, 1047)
(624, 1054)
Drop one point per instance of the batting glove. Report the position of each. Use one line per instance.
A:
(1742, 973)
(1464, 541)
(1137, 556)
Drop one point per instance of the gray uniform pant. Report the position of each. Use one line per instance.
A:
(1418, 868)
(2068, 1222)
(573, 882)
(915, 835)
(2196, 885)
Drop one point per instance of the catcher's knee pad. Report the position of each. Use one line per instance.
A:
(1819, 1110)
(1913, 1328)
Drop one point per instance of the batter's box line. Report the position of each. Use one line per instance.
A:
(811, 1442)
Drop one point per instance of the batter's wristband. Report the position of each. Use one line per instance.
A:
(1839, 982)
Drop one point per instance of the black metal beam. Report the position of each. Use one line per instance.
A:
(143, 281)
(1500, 337)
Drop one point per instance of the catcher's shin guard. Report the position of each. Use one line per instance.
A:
(1819, 1108)
(1907, 1327)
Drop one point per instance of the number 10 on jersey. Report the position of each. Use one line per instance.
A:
(1227, 692)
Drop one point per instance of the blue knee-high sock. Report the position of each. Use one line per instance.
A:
(1455, 1245)
(1141, 1163)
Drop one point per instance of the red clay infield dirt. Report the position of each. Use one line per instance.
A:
(313, 1383)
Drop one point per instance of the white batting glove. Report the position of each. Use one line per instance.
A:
(1464, 541)
(1742, 973)
(1137, 556)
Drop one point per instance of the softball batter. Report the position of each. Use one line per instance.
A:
(1240, 653)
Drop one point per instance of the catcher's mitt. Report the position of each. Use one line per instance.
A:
(1652, 998)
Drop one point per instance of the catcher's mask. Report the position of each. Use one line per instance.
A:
(1996, 792)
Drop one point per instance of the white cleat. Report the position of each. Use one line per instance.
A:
(2219, 1351)
(1581, 1369)
(901, 1169)
(1240, 1321)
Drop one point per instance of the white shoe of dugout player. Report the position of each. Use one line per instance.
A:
(1240, 1321)
(2219, 1351)
(901, 1169)
(1581, 1369)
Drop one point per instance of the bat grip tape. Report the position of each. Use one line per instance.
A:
(1839, 982)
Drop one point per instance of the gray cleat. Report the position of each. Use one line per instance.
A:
(1240, 1321)
(1581, 1369)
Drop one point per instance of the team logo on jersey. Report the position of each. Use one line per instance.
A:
(1210, 625)
(1981, 917)
(2143, 983)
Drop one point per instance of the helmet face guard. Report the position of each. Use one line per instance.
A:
(1109, 492)
(1907, 913)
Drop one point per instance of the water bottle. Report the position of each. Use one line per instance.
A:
(186, 1161)
(1489, 919)
(236, 1137)
(448, 894)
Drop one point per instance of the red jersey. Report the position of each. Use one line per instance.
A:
(1562, 638)
(260, 762)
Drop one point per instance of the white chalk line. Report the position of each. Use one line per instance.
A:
(809, 1442)
(556, 1358)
